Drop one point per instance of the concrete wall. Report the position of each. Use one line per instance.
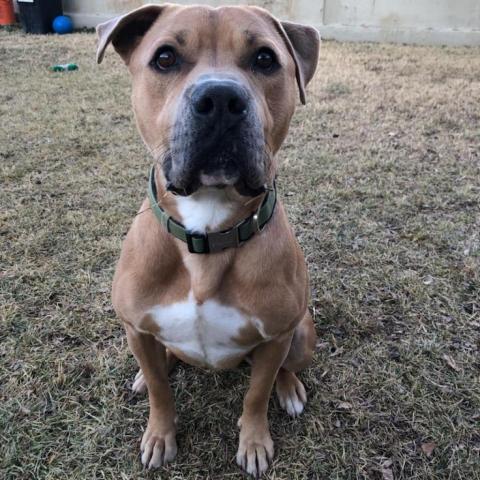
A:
(451, 22)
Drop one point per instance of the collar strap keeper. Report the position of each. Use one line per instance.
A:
(213, 242)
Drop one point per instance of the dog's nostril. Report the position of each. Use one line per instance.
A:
(222, 101)
(204, 106)
(237, 106)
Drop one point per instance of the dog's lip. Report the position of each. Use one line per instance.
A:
(240, 185)
(219, 180)
(189, 181)
(247, 190)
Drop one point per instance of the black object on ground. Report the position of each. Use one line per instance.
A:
(37, 16)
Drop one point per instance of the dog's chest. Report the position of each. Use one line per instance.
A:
(209, 334)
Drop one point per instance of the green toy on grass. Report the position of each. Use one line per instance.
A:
(64, 67)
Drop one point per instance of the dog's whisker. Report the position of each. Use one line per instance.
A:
(143, 211)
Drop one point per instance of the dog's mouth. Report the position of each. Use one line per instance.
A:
(219, 182)
(186, 176)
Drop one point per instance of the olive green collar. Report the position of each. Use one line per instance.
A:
(213, 242)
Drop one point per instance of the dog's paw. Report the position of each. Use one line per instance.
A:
(139, 385)
(255, 451)
(291, 393)
(158, 448)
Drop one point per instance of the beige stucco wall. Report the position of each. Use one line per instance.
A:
(292, 9)
(452, 22)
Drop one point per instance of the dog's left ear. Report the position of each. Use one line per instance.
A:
(126, 31)
(303, 43)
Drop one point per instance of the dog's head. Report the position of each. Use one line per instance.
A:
(214, 89)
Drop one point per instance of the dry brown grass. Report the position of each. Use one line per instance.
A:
(381, 179)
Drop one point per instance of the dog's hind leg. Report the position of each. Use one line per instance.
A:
(290, 390)
(140, 386)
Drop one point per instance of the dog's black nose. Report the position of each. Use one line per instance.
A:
(219, 101)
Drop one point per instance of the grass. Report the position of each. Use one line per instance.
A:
(381, 178)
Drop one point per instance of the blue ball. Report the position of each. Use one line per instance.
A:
(62, 24)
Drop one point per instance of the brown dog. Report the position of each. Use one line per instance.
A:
(211, 272)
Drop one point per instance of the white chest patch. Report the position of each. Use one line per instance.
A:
(206, 208)
(206, 333)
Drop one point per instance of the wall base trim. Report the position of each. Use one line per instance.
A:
(350, 33)
(448, 37)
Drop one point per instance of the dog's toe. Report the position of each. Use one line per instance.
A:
(255, 451)
(291, 393)
(157, 449)
(139, 384)
(255, 459)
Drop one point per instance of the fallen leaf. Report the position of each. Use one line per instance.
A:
(336, 352)
(387, 474)
(322, 345)
(24, 410)
(427, 448)
(344, 406)
(428, 280)
(451, 362)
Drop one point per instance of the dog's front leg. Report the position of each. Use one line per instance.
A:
(158, 443)
(255, 450)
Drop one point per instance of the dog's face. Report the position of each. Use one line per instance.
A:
(213, 89)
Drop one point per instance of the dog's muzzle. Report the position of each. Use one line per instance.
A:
(217, 140)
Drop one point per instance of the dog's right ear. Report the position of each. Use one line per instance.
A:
(126, 31)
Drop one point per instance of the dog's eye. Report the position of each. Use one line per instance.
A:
(165, 58)
(265, 60)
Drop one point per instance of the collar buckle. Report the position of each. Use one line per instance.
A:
(192, 248)
(212, 242)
